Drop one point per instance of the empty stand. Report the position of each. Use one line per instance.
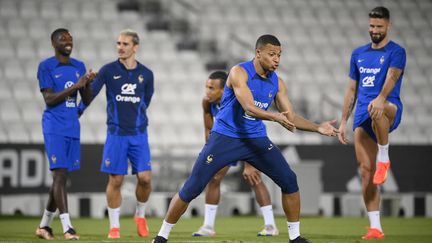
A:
(317, 38)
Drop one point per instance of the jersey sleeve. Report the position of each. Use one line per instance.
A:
(398, 59)
(82, 69)
(98, 82)
(149, 89)
(44, 77)
(353, 71)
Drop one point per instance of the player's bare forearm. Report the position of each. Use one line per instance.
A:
(392, 77)
(349, 101)
(259, 113)
(86, 95)
(52, 99)
(305, 125)
(348, 108)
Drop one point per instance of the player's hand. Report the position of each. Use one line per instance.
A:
(342, 136)
(326, 128)
(85, 80)
(282, 119)
(376, 107)
(251, 175)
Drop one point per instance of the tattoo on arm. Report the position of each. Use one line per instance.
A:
(393, 75)
(350, 107)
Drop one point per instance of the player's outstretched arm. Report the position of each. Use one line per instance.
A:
(283, 104)
(237, 80)
(348, 106)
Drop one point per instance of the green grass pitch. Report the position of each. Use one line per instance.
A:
(229, 230)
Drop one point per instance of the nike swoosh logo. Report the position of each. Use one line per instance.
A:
(57, 76)
(270, 147)
(116, 77)
(360, 60)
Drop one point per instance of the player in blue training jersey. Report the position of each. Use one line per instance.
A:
(376, 72)
(129, 89)
(61, 78)
(240, 134)
(211, 105)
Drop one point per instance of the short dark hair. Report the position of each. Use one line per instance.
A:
(221, 75)
(380, 12)
(57, 32)
(267, 39)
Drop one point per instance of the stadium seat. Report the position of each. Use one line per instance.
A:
(69, 10)
(89, 10)
(29, 9)
(8, 9)
(50, 9)
(17, 28)
(317, 36)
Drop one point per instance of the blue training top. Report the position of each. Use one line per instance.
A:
(369, 68)
(128, 94)
(214, 109)
(232, 120)
(61, 119)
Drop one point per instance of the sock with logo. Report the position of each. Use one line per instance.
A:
(293, 230)
(267, 212)
(140, 209)
(65, 221)
(114, 217)
(374, 220)
(165, 229)
(210, 214)
(47, 219)
(383, 153)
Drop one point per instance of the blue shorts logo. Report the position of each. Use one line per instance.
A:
(107, 162)
(53, 158)
(209, 159)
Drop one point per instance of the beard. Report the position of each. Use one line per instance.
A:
(377, 38)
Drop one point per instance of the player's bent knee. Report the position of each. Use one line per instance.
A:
(144, 181)
(215, 182)
(191, 189)
(288, 183)
(188, 195)
(288, 189)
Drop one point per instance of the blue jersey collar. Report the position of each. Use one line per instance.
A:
(255, 75)
(122, 66)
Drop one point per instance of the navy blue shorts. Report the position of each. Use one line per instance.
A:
(363, 119)
(62, 152)
(118, 149)
(221, 150)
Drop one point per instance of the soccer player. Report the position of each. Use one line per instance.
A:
(129, 89)
(61, 78)
(211, 105)
(239, 134)
(376, 72)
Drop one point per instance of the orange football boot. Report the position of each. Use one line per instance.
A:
(373, 234)
(380, 175)
(114, 233)
(142, 228)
